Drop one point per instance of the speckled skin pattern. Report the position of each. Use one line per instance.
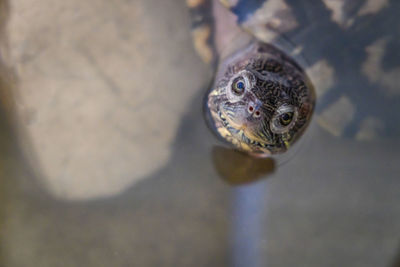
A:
(349, 50)
(274, 87)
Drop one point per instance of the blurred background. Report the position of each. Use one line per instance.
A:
(106, 159)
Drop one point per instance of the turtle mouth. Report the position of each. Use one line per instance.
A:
(231, 122)
(243, 132)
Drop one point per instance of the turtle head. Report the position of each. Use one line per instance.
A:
(261, 100)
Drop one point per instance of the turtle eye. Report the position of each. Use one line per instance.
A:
(238, 86)
(286, 118)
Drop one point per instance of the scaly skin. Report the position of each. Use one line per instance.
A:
(275, 88)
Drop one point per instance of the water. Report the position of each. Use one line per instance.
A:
(336, 202)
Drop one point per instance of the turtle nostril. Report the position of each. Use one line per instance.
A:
(251, 109)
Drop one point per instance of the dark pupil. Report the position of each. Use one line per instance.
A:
(286, 118)
(238, 87)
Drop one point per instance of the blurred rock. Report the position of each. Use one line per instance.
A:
(101, 87)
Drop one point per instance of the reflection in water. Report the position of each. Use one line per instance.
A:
(248, 205)
(248, 217)
(237, 168)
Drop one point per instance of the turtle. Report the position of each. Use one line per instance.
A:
(276, 62)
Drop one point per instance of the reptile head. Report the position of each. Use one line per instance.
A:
(261, 100)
